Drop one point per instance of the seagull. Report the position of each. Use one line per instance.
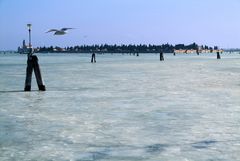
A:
(63, 31)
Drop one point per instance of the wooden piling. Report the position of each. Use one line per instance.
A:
(32, 64)
(218, 55)
(93, 60)
(161, 56)
(29, 71)
(197, 52)
(38, 74)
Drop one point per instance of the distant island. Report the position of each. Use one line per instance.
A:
(142, 48)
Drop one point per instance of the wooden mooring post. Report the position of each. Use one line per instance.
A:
(218, 55)
(93, 60)
(198, 52)
(32, 65)
(161, 56)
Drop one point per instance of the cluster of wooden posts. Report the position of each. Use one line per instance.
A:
(32, 65)
(162, 57)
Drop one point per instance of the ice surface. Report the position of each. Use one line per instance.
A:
(186, 108)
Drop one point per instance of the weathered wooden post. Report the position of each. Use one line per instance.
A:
(29, 71)
(218, 55)
(93, 60)
(197, 52)
(32, 64)
(161, 56)
(38, 74)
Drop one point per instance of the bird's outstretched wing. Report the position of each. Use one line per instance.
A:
(65, 29)
(52, 30)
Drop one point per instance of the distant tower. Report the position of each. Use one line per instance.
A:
(24, 44)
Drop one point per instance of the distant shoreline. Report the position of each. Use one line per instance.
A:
(131, 49)
(141, 48)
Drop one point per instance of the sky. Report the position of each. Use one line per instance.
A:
(206, 22)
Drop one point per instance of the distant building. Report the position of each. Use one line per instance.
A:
(191, 51)
(24, 49)
(58, 49)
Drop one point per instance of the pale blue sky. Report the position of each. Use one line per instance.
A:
(210, 22)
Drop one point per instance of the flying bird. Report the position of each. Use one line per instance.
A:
(62, 31)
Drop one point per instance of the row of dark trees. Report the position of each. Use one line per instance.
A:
(166, 48)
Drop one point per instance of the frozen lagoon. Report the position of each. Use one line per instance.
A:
(186, 108)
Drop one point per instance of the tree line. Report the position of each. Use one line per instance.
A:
(105, 48)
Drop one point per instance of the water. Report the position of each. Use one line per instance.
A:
(124, 107)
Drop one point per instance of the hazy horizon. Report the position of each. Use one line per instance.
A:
(212, 23)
